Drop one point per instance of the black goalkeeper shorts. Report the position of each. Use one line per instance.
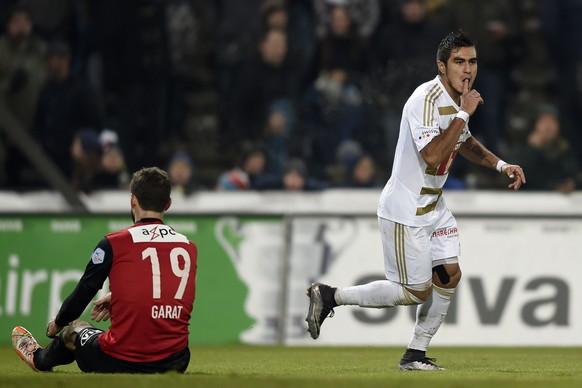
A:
(90, 358)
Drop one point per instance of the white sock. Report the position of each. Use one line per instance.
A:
(381, 293)
(429, 317)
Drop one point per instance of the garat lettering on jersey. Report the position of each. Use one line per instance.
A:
(166, 311)
(158, 233)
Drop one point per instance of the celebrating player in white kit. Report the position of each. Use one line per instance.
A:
(419, 234)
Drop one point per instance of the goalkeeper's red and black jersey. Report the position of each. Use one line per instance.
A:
(152, 273)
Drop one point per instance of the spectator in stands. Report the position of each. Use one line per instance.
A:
(354, 167)
(561, 19)
(66, 103)
(22, 70)
(98, 162)
(332, 108)
(131, 52)
(264, 100)
(181, 172)
(296, 19)
(183, 29)
(234, 24)
(401, 55)
(274, 14)
(341, 44)
(364, 13)
(294, 178)
(547, 155)
(332, 111)
(493, 25)
(114, 174)
(22, 75)
(361, 173)
(86, 153)
(251, 165)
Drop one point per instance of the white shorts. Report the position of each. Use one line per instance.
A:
(410, 253)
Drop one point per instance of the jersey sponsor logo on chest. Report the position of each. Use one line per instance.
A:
(155, 233)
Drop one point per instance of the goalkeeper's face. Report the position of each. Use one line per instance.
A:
(460, 67)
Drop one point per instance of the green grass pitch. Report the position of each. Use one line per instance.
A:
(244, 366)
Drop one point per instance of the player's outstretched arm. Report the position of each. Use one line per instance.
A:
(477, 153)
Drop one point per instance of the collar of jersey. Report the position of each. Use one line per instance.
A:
(149, 221)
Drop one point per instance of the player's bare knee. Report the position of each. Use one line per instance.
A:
(447, 275)
(455, 278)
(69, 335)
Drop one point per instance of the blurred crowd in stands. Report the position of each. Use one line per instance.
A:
(275, 94)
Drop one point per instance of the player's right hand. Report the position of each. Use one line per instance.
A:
(100, 310)
(470, 99)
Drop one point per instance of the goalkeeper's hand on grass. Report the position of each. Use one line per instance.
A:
(100, 310)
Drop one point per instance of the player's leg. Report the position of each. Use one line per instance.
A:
(83, 340)
(407, 264)
(38, 358)
(60, 350)
(90, 357)
(431, 314)
(71, 332)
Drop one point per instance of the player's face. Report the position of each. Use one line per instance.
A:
(461, 66)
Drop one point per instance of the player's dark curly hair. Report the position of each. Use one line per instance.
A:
(452, 43)
(152, 187)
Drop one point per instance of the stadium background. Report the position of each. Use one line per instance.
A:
(183, 80)
(164, 74)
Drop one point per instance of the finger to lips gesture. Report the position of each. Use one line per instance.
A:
(470, 99)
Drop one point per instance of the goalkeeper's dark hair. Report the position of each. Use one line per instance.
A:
(453, 43)
(152, 187)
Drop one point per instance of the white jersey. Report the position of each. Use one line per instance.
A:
(412, 195)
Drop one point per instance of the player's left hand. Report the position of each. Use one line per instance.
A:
(515, 172)
(52, 329)
(100, 312)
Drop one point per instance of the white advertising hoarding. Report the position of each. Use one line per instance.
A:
(519, 287)
(520, 261)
